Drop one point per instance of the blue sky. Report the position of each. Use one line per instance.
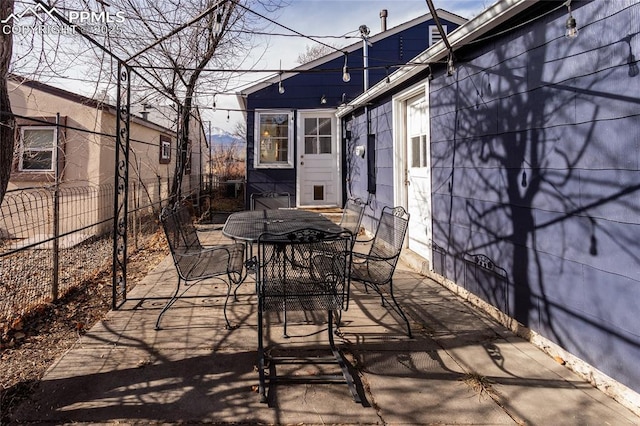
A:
(333, 18)
(344, 17)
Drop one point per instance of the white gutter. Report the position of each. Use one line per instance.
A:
(496, 14)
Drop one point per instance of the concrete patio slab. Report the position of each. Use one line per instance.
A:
(461, 367)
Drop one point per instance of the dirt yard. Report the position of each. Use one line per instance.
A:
(31, 344)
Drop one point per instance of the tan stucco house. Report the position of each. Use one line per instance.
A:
(81, 149)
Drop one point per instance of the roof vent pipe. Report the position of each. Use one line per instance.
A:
(383, 20)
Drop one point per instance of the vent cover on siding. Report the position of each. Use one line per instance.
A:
(434, 34)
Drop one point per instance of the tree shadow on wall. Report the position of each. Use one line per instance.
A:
(514, 158)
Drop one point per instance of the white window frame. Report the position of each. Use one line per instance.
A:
(53, 149)
(165, 149)
(289, 164)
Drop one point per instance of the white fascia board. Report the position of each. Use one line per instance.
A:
(496, 14)
(242, 101)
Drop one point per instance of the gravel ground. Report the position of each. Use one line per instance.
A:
(32, 343)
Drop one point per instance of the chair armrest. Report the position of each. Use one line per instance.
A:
(204, 250)
(371, 257)
(358, 241)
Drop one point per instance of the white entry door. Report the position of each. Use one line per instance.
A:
(418, 169)
(318, 162)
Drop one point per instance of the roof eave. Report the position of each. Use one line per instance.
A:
(490, 18)
(350, 48)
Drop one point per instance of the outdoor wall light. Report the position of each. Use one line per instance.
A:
(346, 77)
(572, 29)
(360, 151)
(634, 70)
(323, 100)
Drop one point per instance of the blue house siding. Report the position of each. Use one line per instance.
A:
(305, 89)
(535, 161)
(357, 174)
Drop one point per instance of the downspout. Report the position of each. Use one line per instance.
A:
(364, 32)
(371, 152)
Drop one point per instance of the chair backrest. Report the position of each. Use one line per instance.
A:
(304, 270)
(270, 200)
(390, 233)
(179, 229)
(352, 216)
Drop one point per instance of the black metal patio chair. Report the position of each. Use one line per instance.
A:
(322, 284)
(270, 200)
(352, 213)
(195, 262)
(376, 267)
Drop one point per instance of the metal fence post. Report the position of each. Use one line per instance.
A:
(56, 215)
(121, 196)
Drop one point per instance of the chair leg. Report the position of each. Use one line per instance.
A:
(338, 322)
(343, 366)
(284, 315)
(261, 359)
(169, 303)
(226, 300)
(244, 272)
(399, 309)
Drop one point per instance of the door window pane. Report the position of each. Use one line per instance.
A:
(415, 152)
(325, 145)
(418, 132)
(309, 144)
(317, 135)
(324, 126)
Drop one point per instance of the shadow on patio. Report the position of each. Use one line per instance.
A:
(460, 367)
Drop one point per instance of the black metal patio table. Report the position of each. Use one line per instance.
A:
(303, 263)
(249, 225)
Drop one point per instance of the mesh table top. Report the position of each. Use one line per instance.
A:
(248, 225)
